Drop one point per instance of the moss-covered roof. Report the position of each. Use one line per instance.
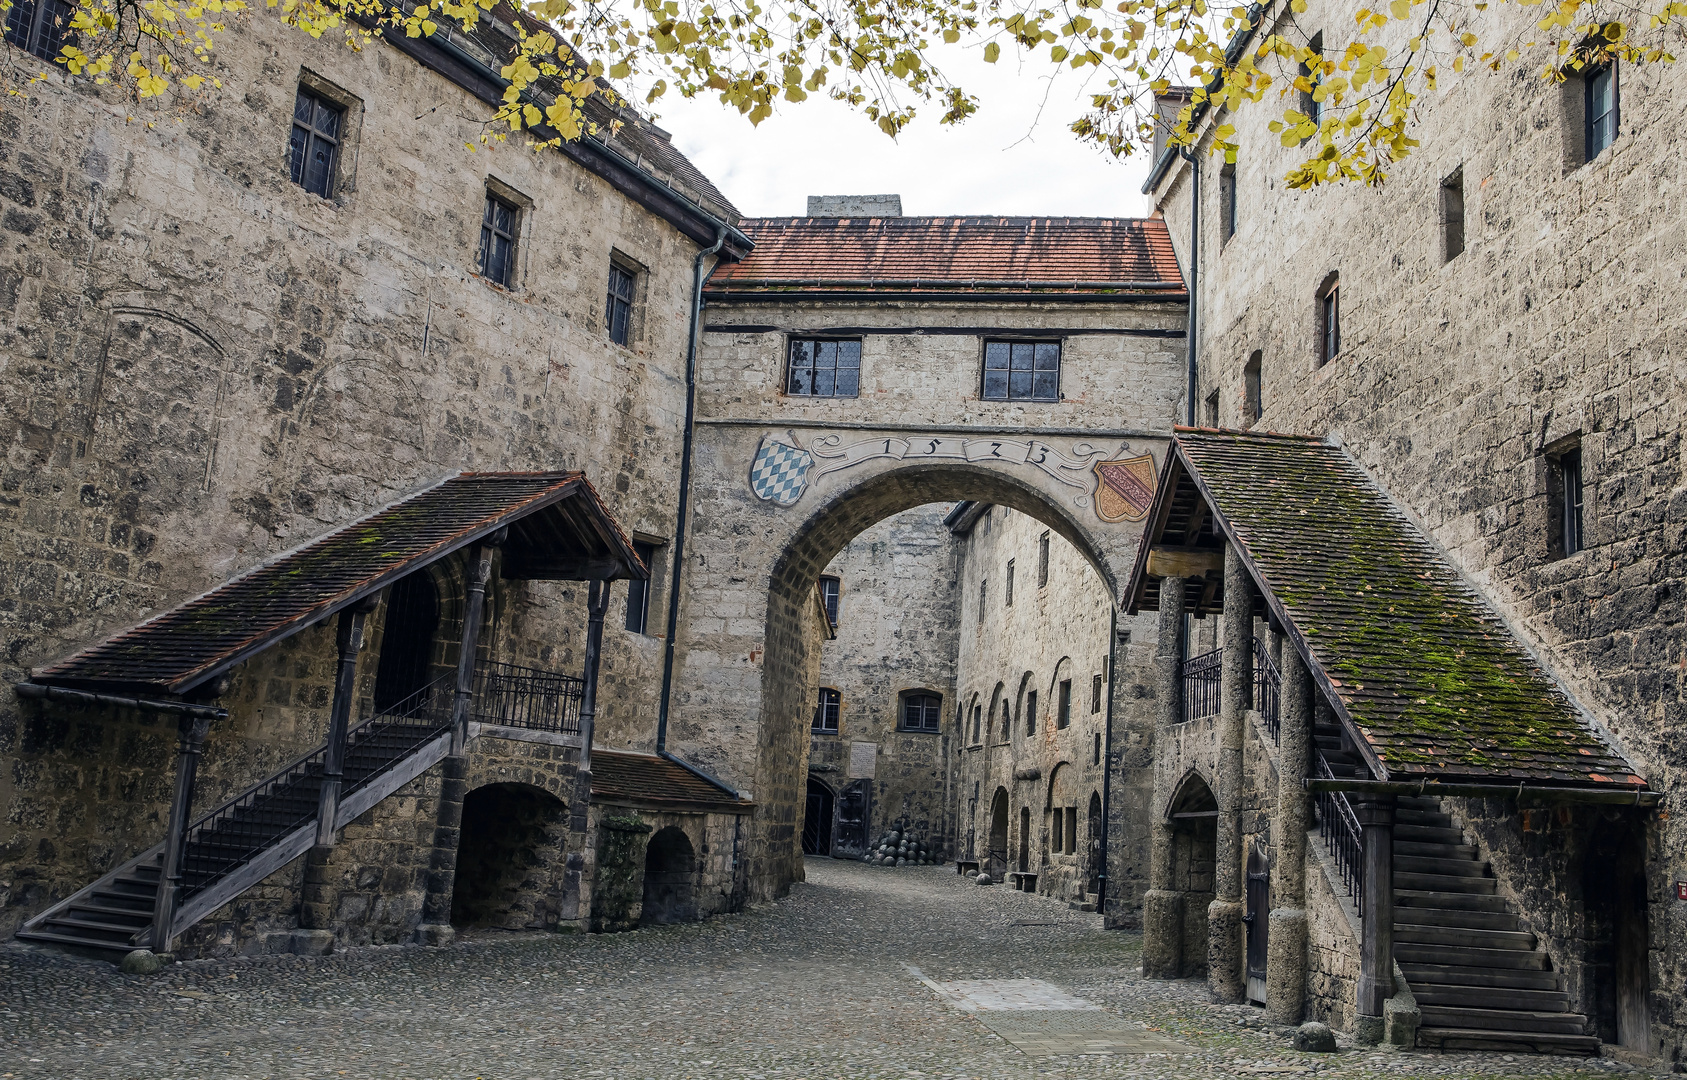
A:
(556, 521)
(1424, 669)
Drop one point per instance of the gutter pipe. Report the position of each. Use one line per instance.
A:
(1107, 764)
(1194, 274)
(684, 489)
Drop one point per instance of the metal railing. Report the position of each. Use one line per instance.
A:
(1268, 686)
(509, 695)
(1343, 839)
(1202, 679)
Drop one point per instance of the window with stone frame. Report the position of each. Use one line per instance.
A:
(977, 722)
(983, 594)
(826, 711)
(499, 226)
(638, 592)
(1565, 499)
(823, 367)
(921, 711)
(1071, 830)
(1601, 109)
(1227, 201)
(1329, 320)
(831, 588)
(1452, 215)
(314, 150)
(1097, 748)
(1031, 713)
(1309, 104)
(1212, 409)
(41, 27)
(1042, 560)
(1059, 838)
(1253, 392)
(1007, 591)
(618, 308)
(1022, 371)
(1095, 693)
(1063, 709)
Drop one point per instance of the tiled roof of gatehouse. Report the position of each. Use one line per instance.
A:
(993, 256)
(1430, 678)
(646, 780)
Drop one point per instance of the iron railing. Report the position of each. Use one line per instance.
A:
(231, 835)
(1268, 686)
(1202, 678)
(509, 695)
(1343, 839)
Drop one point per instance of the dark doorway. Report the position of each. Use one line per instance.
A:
(407, 640)
(1614, 891)
(996, 858)
(1194, 820)
(509, 855)
(1024, 839)
(670, 869)
(1258, 921)
(817, 819)
(850, 838)
(1093, 882)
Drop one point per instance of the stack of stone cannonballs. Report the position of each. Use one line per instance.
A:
(898, 848)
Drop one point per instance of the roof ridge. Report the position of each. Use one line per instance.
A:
(1251, 433)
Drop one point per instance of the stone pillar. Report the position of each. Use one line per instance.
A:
(480, 569)
(190, 734)
(339, 715)
(580, 865)
(1226, 952)
(1162, 907)
(442, 861)
(1285, 960)
(1376, 948)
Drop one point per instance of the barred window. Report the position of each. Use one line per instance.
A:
(826, 712)
(824, 368)
(1022, 371)
(921, 712)
(618, 314)
(316, 142)
(498, 228)
(39, 26)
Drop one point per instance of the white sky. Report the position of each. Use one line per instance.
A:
(1001, 161)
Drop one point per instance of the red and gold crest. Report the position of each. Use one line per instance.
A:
(1124, 488)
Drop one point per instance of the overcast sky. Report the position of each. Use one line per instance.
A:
(1001, 161)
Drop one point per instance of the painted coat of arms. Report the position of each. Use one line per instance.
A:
(779, 473)
(1124, 489)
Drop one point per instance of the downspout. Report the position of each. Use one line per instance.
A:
(684, 485)
(1107, 764)
(1194, 271)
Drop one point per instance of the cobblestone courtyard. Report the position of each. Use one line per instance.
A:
(840, 980)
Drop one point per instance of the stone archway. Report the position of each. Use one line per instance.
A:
(670, 879)
(744, 545)
(510, 855)
(996, 852)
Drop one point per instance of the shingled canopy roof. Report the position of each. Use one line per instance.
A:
(1422, 671)
(558, 528)
(1084, 258)
(646, 780)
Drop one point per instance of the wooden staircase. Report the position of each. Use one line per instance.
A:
(250, 837)
(1481, 980)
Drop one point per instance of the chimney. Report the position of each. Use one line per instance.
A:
(877, 206)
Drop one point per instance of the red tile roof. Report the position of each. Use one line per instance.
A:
(654, 782)
(949, 255)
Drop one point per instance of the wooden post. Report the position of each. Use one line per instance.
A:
(1162, 906)
(597, 603)
(191, 732)
(345, 684)
(480, 569)
(1285, 962)
(1226, 956)
(1376, 950)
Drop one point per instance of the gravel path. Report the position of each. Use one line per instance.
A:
(818, 985)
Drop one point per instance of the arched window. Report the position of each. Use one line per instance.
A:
(921, 711)
(826, 711)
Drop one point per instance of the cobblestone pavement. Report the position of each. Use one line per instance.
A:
(818, 985)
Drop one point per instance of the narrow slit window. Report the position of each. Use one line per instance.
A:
(1227, 201)
(1565, 501)
(498, 227)
(1007, 596)
(1452, 216)
(830, 589)
(1022, 371)
(1031, 713)
(824, 368)
(1313, 73)
(1252, 390)
(983, 594)
(1042, 560)
(826, 711)
(1064, 715)
(1097, 748)
(1601, 109)
(1329, 322)
(315, 148)
(1095, 694)
(618, 312)
(638, 592)
(1071, 830)
(1059, 844)
(40, 27)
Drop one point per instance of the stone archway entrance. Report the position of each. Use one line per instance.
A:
(758, 554)
(670, 879)
(510, 854)
(996, 855)
(817, 819)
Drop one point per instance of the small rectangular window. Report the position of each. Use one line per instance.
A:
(826, 712)
(921, 712)
(1071, 830)
(1452, 216)
(1042, 560)
(1601, 110)
(1227, 201)
(830, 588)
(823, 368)
(1095, 694)
(1031, 713)
(1098, 748)
(618, 310)
(638, 592)
(1022, 371)
(1059, 844)
(1253, 391)
(498, 230)
(977, 722)
(1565, 485)
(1329, 322)
(1064, 716)
(39, 26)
(983, 594)
(315, 145)
(1212, 409)
(1007, 598)
(1309, 104)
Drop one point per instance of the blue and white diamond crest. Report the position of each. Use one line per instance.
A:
(780, 472)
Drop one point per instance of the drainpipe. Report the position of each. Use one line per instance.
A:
(1107, 763)
(684, 484)
(1194, 271)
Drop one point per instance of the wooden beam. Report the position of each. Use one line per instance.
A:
(1165, 561)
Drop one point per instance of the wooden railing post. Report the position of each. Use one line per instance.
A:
(345, 685)
(480, 569)
(191, 732)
